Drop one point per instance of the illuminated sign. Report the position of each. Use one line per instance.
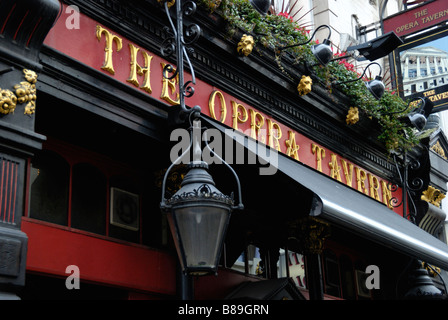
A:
(115, 56)
(421, 68)
(417, 19)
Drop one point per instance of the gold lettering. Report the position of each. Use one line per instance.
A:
(361, 176)
(273, 138)
(320, 153)
(110, 39)
(211, 105)
(255, 125)
(137, 69)
(293, 148)
(429, 93)
(167, 85)
(435, 16)
(439, 96)
(236, 107)
(407, 26)
(348, 172)
(335, 169)
(387, 194)
(374, 186)
(421, 13)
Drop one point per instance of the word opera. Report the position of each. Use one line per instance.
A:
(128, 63)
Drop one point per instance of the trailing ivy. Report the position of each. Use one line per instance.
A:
(276, 31)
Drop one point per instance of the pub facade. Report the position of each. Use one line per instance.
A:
(330, 211)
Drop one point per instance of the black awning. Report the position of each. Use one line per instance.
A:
(348, 208)
(272, 289)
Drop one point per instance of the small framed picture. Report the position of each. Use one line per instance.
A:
(124, 209)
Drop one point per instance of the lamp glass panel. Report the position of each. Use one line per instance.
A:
(201, 230)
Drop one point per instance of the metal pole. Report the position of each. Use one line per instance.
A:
(180, 52)
(405, 186)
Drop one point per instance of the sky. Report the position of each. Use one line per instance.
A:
(441, 43)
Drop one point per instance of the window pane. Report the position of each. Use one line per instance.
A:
(347, 278)
(331, 267)
(89, 196)
(254, 266)
(49, 188)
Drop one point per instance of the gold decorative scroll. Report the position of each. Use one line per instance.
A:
(433, 196)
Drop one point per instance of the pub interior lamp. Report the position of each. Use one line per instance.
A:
(322, 51)
(198, 213)
(376, 86)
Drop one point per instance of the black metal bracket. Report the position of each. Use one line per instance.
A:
(178, 42)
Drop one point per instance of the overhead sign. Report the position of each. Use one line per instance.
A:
(417, 19)
(115, 56)
(421, 68)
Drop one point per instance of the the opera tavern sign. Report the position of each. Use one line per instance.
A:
(123, 60)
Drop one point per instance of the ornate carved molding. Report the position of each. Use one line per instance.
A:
(311, 234)
(437, 148)
(433, 196)
(25, 93)
(25, 25)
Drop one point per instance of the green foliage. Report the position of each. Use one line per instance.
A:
(277, 30)
(386, 111)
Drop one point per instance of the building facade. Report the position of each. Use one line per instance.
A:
(85, 148)
(424, 68)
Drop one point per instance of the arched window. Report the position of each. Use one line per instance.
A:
(49, 180)
(89, 199)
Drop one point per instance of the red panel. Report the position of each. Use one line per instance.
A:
(76, 42)
(51, 249)
(417, 19)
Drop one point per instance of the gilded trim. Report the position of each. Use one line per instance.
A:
(433, 196)
(437, 148)
(246, 45)
(25, 92)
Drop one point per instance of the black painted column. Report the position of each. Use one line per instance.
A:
(24, 25)
(314, 276)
